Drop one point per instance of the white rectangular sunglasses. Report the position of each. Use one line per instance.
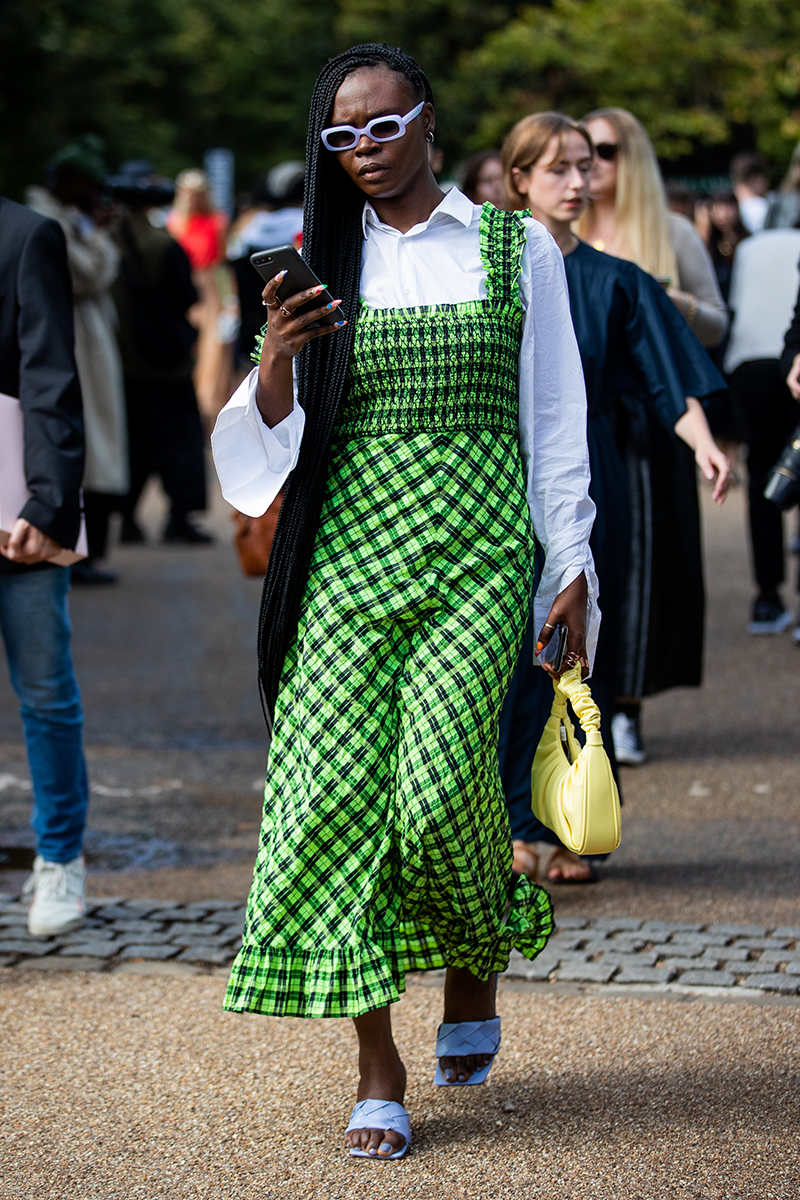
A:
(379, 129)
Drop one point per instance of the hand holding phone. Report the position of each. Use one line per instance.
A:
(292, 297)
(569, 611)
(297, 292)
(553, 654)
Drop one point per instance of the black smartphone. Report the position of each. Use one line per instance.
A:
(299, 277)
(555, 651)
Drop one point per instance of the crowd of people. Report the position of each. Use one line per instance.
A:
(165, 315)
(738, 302)
(135, 291)
(504, 426)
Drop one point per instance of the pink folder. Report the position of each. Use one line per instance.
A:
(14, 492)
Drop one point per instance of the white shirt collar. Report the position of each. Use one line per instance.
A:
(454, 207)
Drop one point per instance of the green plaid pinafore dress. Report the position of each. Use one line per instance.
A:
(385, 844)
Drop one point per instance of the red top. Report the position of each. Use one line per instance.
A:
(201, 237)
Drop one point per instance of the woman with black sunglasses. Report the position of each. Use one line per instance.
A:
(425, 438)
(627, 217)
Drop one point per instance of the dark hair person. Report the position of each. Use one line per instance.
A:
(638, 354)
(726, 230)
(482, 178)
(748, 172)
(400, 581)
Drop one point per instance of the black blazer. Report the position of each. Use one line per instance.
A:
(791, 343)
(37, 365)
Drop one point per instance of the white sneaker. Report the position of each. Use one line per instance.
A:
(769, 616)
(58, 892)
(627, 740)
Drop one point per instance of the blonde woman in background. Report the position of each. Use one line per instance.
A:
(662, 640)
(200, 229)
(628, 217)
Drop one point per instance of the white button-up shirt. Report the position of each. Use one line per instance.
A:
(763, 295)
(439, 262)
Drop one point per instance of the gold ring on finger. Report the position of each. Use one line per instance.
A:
(285, 311)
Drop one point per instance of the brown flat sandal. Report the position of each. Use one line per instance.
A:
(526, 860)
(562, 855)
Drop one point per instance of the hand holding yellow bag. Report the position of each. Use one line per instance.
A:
(575, 796)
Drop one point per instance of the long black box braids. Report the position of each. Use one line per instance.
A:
(332, 238)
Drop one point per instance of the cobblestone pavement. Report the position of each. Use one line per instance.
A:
(687, 955)
(120, 934)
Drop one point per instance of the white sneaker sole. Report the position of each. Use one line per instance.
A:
(630, 758)
(760, 628)
(36, 930)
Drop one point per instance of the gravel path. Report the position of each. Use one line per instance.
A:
(122, 1087)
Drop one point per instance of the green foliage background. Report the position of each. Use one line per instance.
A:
(165, 79)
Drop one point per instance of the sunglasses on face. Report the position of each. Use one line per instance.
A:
(607, 150)
(379, 129)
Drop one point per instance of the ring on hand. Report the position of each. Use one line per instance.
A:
(547, 625)
(267, 304)
(285, 312)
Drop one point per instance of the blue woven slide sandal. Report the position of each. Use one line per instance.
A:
(468, 1037)
(381, 1115)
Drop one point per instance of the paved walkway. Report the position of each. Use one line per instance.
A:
(651, 1052)
(176, 744)
(176, 747)
(126, 1088)
(140, 936)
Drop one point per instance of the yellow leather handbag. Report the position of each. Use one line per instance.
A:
(573, 791)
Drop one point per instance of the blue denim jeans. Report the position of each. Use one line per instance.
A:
(34, 622)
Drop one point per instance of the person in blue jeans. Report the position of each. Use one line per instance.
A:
(37, 366)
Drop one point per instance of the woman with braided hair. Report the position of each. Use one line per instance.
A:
(422, 441)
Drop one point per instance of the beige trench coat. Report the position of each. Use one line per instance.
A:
(94, 265)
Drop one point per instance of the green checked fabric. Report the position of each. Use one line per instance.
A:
(444, 366)
(385, 845)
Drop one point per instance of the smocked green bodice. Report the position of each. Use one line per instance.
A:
(443, 367)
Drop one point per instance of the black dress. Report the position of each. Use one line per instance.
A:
(640, 361)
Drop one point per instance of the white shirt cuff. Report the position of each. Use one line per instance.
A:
(252, 460)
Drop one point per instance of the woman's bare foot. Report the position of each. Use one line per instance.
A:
(526, 860)
(566, 867)
(467, 998)
(383, 1077)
